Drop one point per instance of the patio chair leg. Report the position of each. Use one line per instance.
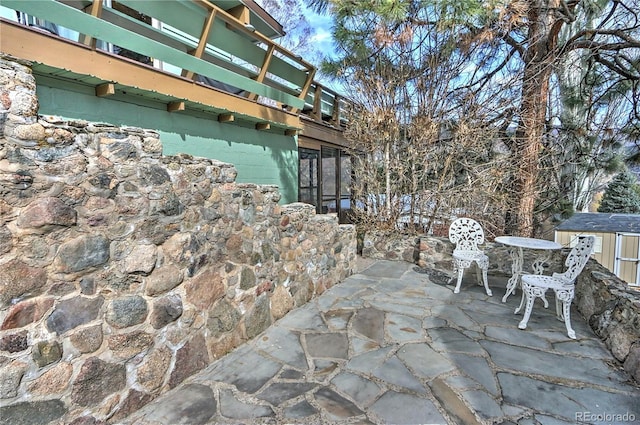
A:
(566, 306)
(481, 275)
(522, 299)
(566, 296)
(559, 312)
(531, 293)
(567, 320)
(485, 279)
(459, 282)
(527, 313)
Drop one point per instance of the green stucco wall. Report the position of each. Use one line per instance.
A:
(259, 157)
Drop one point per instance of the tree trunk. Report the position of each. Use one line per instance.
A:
(387, 178)
(534, 92)
(539, 58)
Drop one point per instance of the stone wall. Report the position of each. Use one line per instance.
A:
(123, 272)
(606, 302)
(613, 312)
(435, 252)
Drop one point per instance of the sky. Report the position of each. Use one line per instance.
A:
(322, 38)
(320, 43)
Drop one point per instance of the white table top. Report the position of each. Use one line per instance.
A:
(529, 243)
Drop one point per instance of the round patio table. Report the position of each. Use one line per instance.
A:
(516, 244)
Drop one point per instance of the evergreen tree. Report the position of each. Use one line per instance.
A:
(621, 195)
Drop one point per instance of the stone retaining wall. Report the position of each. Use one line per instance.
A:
(124, 271)
(608, 304)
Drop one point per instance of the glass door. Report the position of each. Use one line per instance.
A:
(345, 187)
(308, 177)
(330, 182)
(324, 180)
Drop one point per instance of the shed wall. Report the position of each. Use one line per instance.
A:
(606, 249)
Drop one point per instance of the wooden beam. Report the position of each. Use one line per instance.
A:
(303, 93)
(202, 44)
(263, 126)
(291, 133)
(96, 10)
(241, 13)
(335, 116)
(264, 69)
(226, 118)
(175, 106)
(313, 132)
(316, 112)
(106, 89)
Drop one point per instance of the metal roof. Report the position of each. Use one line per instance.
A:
(602, 222)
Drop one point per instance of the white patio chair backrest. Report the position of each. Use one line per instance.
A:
(577, 259)
(466, 234)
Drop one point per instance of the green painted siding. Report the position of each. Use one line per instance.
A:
(260, 157)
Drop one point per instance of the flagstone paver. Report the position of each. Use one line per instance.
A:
(388, 345)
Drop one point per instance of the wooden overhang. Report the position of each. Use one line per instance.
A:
(257, 16)
(210, 82)
(315, 133)
(209, 44)
(76, 66)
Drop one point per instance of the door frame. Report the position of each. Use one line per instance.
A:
(618, 259)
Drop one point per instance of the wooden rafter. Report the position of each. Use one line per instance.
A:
(106, 89)
(241, 13)
(316, 113)
(335, 115)
(96, 10)
(263, 70)
(303, 92)
(226, 118)
(175, 106)
(202, 44)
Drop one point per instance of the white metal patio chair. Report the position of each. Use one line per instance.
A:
(563, 284)
(467, 234)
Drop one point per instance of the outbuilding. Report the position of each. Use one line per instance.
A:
(617, 240)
